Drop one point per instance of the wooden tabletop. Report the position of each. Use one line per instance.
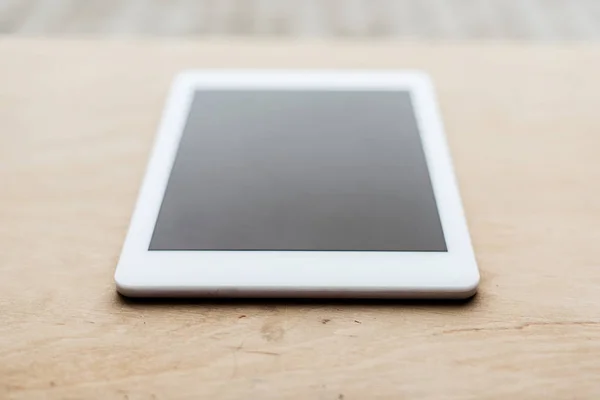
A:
(77, 120)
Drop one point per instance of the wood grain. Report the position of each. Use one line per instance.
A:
(77, 119)
(432, 19)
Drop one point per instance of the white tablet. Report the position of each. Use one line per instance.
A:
(299, 184)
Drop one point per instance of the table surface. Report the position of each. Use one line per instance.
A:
(77, 120)
(491, 19)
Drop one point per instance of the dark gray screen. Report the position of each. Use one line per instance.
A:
(300, 170)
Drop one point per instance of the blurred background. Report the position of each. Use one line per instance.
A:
(537, 20)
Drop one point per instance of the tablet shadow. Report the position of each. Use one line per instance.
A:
(160, 302)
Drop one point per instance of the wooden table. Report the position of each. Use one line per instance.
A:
(77, 119)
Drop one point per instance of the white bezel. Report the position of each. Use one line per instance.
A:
(299, 273)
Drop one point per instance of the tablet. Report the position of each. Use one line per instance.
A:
(299, 184)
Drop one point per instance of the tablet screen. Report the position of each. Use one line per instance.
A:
(303, 170)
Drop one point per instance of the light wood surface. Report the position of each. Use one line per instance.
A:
(77, 120)
(456, 19)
